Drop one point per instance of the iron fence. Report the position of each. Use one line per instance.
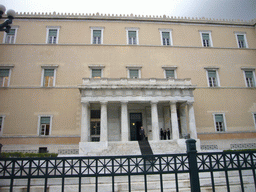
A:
(191, 162)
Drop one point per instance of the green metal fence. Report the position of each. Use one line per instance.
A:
(128, 166)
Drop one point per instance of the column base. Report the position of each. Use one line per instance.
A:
(92, 148)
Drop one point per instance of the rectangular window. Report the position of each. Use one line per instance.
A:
(134, 73)
(206, 39)
(45, 125)
(132, 37)
(240, 41)
(48, 78)
(52, 36)
(212, 78)
(96, 73)
(166, 38)
(1, 124)
(10, 37)
(249, 78)
(96, 36)
(169, 73)
(95, 125)
(219, 122)
(4, 77)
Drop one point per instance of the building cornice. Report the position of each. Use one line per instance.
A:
(132, 17)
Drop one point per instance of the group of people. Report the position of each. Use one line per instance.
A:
(165, 134)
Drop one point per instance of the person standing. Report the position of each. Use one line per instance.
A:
(168, 134)
(161, 134)
(164, 134)
(142, 133)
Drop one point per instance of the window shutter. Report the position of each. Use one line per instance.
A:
(45, 120)
(96, 33)
(169, 73)
(96, 72)
(212, 74)
(248, 74)
(48, 72)
(11, 32)
(4, 72)
(219, 118)
(52, 32)
(165, 35)
(240, 37)
(205, 36)
(134, 73)
(132, 34)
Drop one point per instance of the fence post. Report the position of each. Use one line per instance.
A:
(193, 171)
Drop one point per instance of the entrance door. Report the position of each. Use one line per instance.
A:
(135, 124)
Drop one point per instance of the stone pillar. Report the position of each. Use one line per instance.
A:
(85, 122)
(183, 119)
(124, 122)
(192, 122)
(174, 117)
(155, 123)
(103, 122)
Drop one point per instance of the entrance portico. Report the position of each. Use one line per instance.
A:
(162, 103)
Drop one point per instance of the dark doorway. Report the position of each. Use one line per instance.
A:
(135, 124)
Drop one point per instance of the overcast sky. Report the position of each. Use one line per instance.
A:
(218, 9)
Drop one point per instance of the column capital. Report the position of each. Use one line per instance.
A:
(87, 103)
(124, 102)
(173, 101)
(190, 102)
(153, 102)
(104, 102)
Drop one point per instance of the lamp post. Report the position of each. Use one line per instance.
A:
(5, 26)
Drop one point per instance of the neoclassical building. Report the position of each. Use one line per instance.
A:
(86, 84)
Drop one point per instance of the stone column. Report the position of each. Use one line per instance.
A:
(154, 119)
(124, 122)
(183, 119)
(85, 122)
(174, 117)
(103, 122)
(192, 122)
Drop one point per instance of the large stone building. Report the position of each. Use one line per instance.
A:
(87, 83)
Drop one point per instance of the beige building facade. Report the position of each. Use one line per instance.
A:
(85, 84)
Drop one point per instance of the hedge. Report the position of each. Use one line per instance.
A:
(24, 155)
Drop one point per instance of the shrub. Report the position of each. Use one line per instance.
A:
(27, 155)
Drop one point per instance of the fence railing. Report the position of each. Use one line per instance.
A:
(114, 166)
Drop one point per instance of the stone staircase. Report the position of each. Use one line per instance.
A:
(137, 183)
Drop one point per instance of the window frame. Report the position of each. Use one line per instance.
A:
(9, 67)
(170, 36)
(2, 124)
(254, 118)
(245, 40)
(216, 69)
(48, 28)
(165, 68)
(97, 28)
(253, 74)
(39, 125)
(54, 67)
(134, 68)
(15, 35)
(210, 38)
(101, 67)
(136, 29)
(224, 122)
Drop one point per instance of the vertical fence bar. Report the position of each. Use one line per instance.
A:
(240, 173)
(226, 171)
(161, 175)
(113, 177)
(29, 176)
(96, 178)
(80, 175)
(253, 168)
(211, 171)
(193, 170)
(145, 174)
(12, 177)
(63, 176)
(176, 174)
(46, 174)
(129, 174)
